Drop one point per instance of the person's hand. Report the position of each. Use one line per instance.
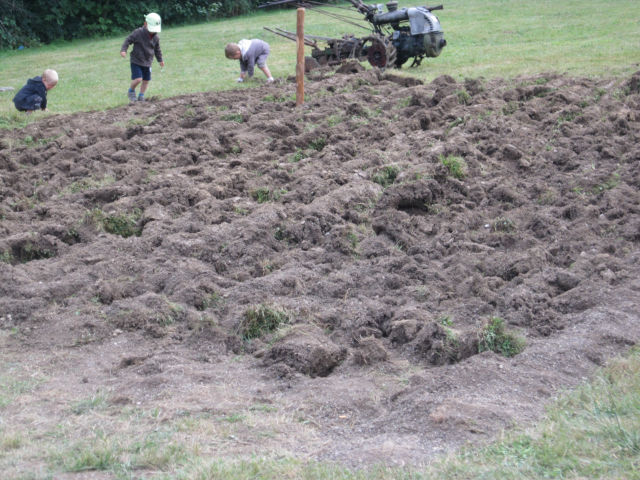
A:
(162, 64)
(123, 54)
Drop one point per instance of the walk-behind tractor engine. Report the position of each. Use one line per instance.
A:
(397, 35)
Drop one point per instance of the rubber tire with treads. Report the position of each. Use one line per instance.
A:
(380, 51)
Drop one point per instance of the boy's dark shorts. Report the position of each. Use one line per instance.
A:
(138, 71)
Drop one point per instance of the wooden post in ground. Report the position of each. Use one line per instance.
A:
(300, 62)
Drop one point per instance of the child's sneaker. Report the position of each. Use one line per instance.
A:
(141, 98)
(132, 95)
(270, 80)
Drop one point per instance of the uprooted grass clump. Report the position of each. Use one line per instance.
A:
(386, 175)
(456, 165)
(495, 338)
(260, 320)
(123, 224)
(266, 194)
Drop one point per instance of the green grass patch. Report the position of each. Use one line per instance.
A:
(454, 123)
(213, 301)
(233, 117)
(31, 142)
(260, 320)
(274, 98)
(13, 385)
(94, 402)
(495, 338)
(6, 256)
(298, 156)
(386, 175)
(123, 224)
(592, 432)
(141, 121)
(266, 194)
(120, 457)
(10, 442)
(456, 165)
(463, 97)
(609, 184)
(504, 225)
(333, 120)
(89, 183)
(318, 143)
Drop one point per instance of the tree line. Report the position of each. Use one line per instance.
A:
(33, 22)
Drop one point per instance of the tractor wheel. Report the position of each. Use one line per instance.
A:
(380, 51)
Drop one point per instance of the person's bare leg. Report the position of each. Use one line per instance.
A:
(144, 86)
(266, 71)
(135, 82)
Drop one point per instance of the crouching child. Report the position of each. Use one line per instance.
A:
(250, 53)
(33, 96)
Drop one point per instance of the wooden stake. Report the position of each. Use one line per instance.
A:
(300, 62)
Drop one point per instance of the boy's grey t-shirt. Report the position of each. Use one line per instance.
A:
(254, 51)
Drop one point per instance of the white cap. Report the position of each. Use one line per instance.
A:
(154, 23)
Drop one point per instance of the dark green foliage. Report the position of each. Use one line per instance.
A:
(30, 22)
(494, 337)
(260, 320)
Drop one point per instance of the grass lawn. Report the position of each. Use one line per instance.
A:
(485, 38)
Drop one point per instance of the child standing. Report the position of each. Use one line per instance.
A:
(249, 52)
(33, 96)
(146, 44)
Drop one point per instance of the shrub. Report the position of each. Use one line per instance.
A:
(494, 337)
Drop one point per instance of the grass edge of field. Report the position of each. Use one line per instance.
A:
(592, 431)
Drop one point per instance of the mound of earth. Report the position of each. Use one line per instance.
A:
(375, 232)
